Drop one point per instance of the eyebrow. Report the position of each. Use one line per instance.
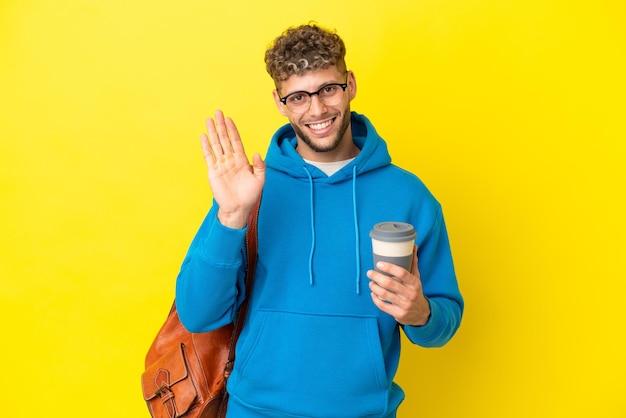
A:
(321, 86)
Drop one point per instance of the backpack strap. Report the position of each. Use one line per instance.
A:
(251, 255)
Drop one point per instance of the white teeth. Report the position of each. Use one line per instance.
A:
(320, 126)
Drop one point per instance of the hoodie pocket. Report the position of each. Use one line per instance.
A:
(301, 364)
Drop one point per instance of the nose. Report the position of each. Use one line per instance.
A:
(316, 107)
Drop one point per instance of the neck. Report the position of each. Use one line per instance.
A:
(328, 156)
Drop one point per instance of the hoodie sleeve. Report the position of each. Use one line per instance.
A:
(209, 286)
(440, 288)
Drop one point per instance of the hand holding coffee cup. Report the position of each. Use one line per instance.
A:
(402, 298)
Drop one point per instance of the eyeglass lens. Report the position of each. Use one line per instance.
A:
(330, 95)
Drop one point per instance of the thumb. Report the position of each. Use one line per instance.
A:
(414, 263)
(258, 165)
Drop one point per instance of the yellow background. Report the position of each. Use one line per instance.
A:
(512, 111)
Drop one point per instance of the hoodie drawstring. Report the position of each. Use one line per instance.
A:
(312, 226)
(356, 232)
(356, 229)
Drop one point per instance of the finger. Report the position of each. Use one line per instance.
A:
(382, 304)
(383, 280)
(384, 286)
(414, 262)
(378, 293)
(213, 139)
(206, 151)
(391, 304)
(258, 165)
(393, 270)
(385, 305)
(257, 161)
(235, 139)
(222, 132)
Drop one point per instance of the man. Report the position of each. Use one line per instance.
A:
(322, 336)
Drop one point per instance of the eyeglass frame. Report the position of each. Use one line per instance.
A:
(283, 100)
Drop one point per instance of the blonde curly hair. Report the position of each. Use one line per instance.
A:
(304, 48)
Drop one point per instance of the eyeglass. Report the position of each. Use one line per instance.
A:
(300, 101)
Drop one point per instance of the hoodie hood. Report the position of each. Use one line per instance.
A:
(283, 156)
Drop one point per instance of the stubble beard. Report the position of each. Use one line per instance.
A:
(345, 123)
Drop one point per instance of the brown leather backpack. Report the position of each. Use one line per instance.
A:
(186, 372)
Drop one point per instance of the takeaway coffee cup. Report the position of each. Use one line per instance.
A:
(393, 242)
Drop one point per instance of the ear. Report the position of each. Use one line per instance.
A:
(279, 104)
(351, 85)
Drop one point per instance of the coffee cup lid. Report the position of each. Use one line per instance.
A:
(393, 232)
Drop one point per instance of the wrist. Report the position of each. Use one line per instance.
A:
(425, 313)
(234, 220)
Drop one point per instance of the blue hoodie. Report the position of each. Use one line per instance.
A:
(314, 343)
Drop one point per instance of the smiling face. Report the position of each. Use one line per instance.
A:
(323, 131)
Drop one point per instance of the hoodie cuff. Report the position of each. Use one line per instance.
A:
(222, 245)
(423, 335)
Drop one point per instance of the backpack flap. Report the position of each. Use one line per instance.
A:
(167, 386)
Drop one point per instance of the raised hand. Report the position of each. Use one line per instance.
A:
(236, 184)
